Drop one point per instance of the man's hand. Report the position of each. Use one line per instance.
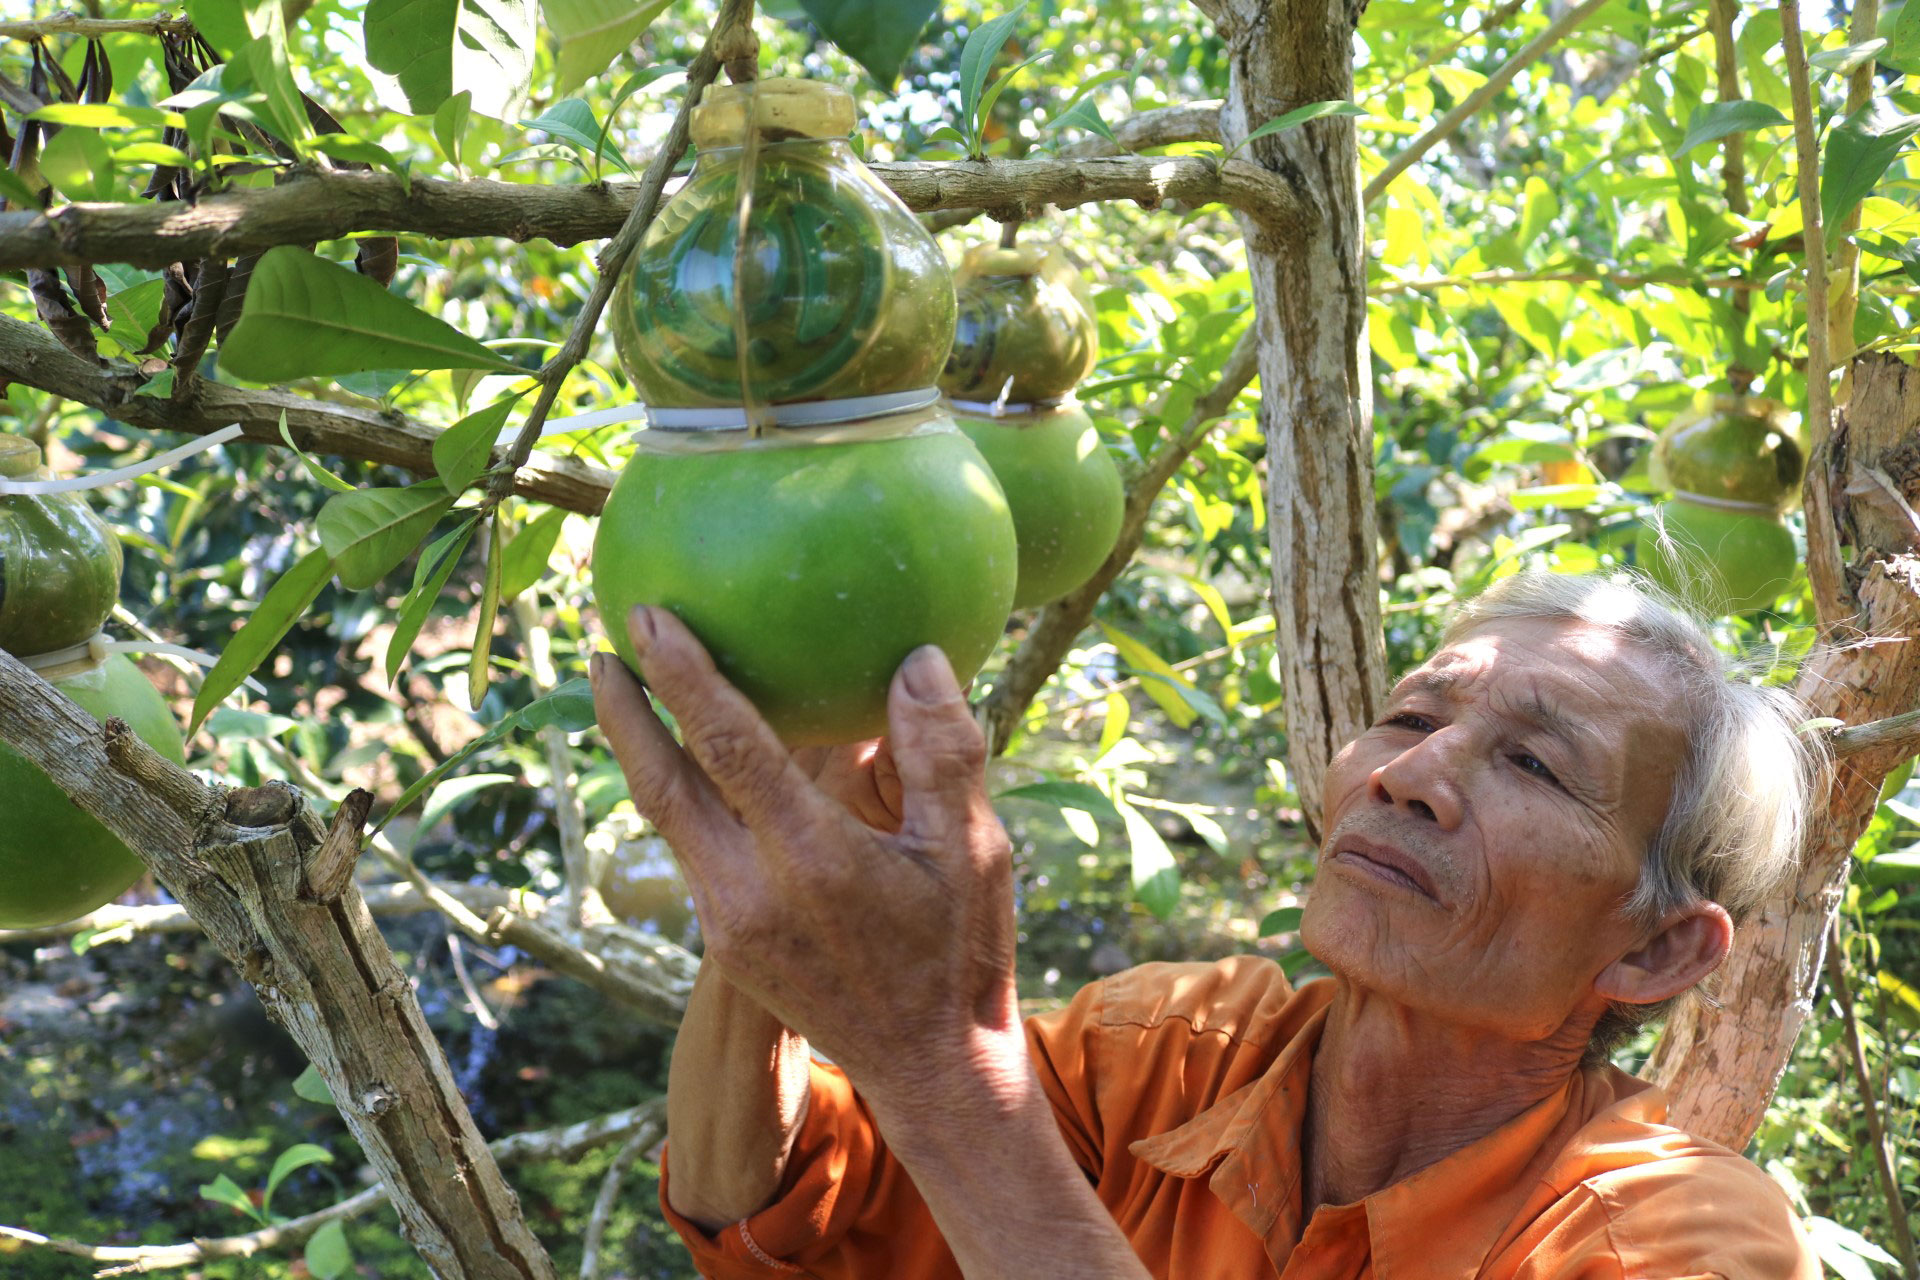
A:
(891, 949)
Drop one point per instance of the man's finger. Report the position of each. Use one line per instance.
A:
(740, 754)
(937, 749)
(667, 788)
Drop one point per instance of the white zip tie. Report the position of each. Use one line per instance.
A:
(101, 479)
(807, 413)
(1002, 409)
(579, 422)
(1725, 504)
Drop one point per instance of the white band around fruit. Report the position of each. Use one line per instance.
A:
(1725, 504)
(811, 413)
(930, 419)
(1004, 409)
(101, 479)
(80, 658)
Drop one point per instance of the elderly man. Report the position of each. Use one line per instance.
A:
(1546, 838)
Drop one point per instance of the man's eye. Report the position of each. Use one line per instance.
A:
(1408, 720)
(1534, 765)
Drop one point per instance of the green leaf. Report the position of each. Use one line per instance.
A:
(450, 125)
(328, 1255)
(342, 146)
(1716, 120)
(1299, 116)
(628, 87)
(1156, 877)
(79, 164)
(1859, 150)
(977, 56)
(571, 121)
(310, 1086)
(150, 153)
(107, 115)
(430, 576)
(527, 554)
(437, 48)
(276, 613)
(1285, 920)
(450, 793)
(1903, 42)
(294, 1158)
(877, 34)
(224, 1190)
(261, 65)
(369, 531)
(326, 478)
(222, 22)
(15, 190)
(999, 86)
(1841, 61)
(595, 35)
(480, 667)
(1084, 114)
(570, 707)
(307, 317)
(1175, 694)
(461, 452)
(1065, 795)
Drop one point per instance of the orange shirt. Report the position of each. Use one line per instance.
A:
(1181, 1089)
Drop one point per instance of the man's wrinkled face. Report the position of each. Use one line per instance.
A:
(1482, 835)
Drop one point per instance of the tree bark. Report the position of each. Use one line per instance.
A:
(1719, 1068)
(1316, 401)
(273, 888)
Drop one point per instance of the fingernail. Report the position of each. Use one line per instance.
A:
(593, 668)
(927, 676)
(640, 629)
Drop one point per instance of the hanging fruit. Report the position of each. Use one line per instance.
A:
(1720, 543)
(59, 579)
(1026, 336)
(798, 499)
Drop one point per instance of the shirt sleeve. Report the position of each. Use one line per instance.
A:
(846, 1209)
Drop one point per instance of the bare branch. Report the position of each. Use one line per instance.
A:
(641, 1126)
(321, 969)
(1058, 624)
(72, 24)
(311, 205)
(1473, 103)
(596, 1234)
(1896, 738)
(1160, 127)
(29, 355)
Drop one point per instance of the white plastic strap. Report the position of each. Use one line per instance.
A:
(1724, 504)
(101, 479)
(97, 650)
(1002, 409)
(580, 422)
(813, 413)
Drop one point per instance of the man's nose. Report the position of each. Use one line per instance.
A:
(1424, 780)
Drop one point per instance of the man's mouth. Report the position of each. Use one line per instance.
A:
(1386, 863)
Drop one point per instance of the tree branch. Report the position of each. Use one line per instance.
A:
(642, 1126)
(1896, 738)
(595, 1236)
(72, 24)
(313, 205)
(1474, 102)
(239, 860)
(1498, 18)
(1058, 624)
(31, 356)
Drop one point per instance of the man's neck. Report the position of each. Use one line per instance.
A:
(1394, 1092)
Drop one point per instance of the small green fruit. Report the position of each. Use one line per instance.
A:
(59, 564)
(1735, 449)
(57, 861)
(811, 570)
(1718, 561)
(1063, 490)
(1025, 331)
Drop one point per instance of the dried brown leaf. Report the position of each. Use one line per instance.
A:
(56, 311)
(377, 257)
(209, 286)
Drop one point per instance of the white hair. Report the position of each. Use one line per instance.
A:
(1740, 799)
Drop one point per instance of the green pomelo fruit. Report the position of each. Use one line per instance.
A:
(1719, 561)
(811, 571)
(1025, 328)
(1735, 451)
(59, 564)
(57, 861)
(1063, 490)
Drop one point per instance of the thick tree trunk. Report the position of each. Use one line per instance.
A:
(1720, 1067)
(1316, 404)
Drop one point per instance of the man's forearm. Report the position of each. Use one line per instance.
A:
(986, 1154)
(736, 1094)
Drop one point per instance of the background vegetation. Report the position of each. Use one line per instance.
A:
(1537, 315)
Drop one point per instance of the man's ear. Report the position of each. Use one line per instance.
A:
(1688, 945)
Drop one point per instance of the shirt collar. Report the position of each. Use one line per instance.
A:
(1443, 1220)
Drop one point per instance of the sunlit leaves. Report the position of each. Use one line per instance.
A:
(878, 34)
(306, 317)
(1859, 151)
(289, 597)
(370, 531)
(437, 48)
(594, 34)
(1716, 120)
